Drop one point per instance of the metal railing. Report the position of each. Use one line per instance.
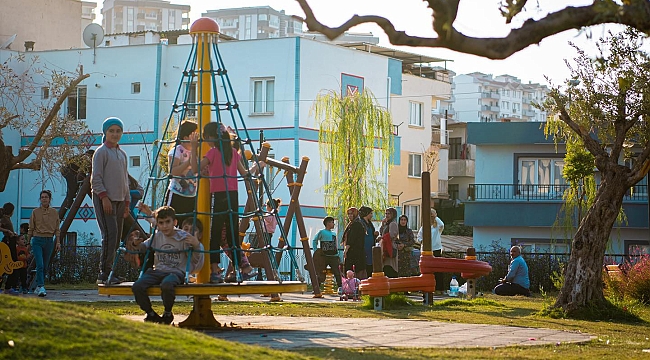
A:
(536, 192)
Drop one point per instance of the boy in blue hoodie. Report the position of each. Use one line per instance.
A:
(171, 247)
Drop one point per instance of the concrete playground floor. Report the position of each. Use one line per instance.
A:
(283, 332)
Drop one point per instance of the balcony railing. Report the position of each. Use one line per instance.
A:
(518, 192)
(529, 113)
(490, 95)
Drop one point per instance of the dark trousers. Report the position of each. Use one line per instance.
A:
(72, 187)
(511, 289)
(151, 277)
(222, 202)
(440, 277)
(111, 228)
(182, 205)
(12, 279)
(21, 274)
(334, 262)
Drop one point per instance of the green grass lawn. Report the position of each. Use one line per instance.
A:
(55, 329)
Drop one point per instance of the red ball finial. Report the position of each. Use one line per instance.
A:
(204, 24)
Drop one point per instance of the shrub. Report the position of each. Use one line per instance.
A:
(637, 285)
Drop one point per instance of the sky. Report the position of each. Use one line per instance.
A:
(479, 18)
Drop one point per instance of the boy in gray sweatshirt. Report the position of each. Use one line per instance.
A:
(171, 256)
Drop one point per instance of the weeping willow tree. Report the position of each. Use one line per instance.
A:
(608, 112)
(355, 141)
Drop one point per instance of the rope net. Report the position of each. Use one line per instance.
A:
(230, 166)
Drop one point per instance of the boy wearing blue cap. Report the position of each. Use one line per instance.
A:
(111, 197)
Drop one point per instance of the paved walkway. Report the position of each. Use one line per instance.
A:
(282, 332)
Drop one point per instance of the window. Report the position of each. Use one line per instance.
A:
(415, 165)
(532, 246)
(263, 96)
(541, 174)
(134, 161)
(135, 88)
(247, 27)
(455, 148)
(77, 103)
(415, 115)
(262, 17)
(453, 191)
(413, 213)
(45, 93)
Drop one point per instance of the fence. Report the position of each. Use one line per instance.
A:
(80, 265)
(535, 192)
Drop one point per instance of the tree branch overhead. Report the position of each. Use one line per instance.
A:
(634, 13)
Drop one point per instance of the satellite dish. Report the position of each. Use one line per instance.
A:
(93, 35)
(8, 43)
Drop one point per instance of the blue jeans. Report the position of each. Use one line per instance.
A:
(153, 277)
(42, 249)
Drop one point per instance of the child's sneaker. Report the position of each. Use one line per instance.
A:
(11, 292)
(216, 278)
(167, 318)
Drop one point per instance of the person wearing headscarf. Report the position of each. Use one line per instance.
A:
(353, 214)
(358, 232)
(390, 231)
(405, 243)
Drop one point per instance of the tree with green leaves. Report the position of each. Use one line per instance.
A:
(355, 138)
(608, 115)
(22, 110)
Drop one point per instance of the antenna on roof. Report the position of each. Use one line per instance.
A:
(7, 44)
(93, 35)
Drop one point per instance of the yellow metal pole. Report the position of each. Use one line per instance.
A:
(203, 203)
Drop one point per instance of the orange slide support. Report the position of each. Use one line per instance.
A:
(380, 285)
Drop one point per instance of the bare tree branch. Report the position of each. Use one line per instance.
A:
(635, 13)
(50, 116)
(30, 166)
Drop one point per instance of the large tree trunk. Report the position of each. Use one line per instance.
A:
(583, 283)
(6, 164)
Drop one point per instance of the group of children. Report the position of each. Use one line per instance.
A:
(43, 234)
(19, 250)
(110, 192)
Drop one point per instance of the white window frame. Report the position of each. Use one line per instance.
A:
(266, 105)
(77, 96)
(553, 176)
(416, 110)
(412, 171)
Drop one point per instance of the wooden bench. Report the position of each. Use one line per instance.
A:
(614, 271)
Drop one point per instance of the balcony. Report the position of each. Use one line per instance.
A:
(490, 95)
(525, 193)
(436, 139)
(528, 113)
(490, 108)
(461, 167)
(526, 101)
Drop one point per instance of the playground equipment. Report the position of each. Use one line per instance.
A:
(206, 68)
(379, 285)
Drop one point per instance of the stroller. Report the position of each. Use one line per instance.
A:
(349, 287)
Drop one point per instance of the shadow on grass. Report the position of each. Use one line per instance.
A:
(600, 311)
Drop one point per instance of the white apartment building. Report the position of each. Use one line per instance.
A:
(479, 97)
(125, 16)
(260, 22)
